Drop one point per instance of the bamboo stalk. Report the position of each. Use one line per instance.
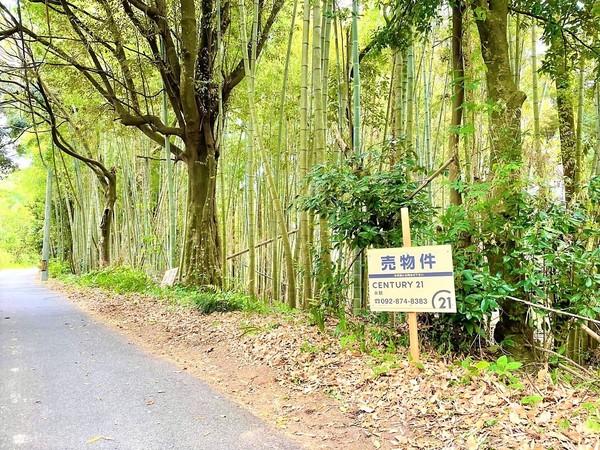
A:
(304, 242)
(591, 333)
(537, 149)
(255, 142)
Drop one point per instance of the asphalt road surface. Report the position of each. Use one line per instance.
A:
(67, 382)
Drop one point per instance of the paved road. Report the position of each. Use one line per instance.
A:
(67, 382)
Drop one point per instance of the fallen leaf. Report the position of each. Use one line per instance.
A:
(514, 418)
(471, 443)
(431, 408)
(95, 439)
(402, 439)
(543, 418)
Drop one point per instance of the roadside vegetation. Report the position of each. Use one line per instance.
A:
(361, 368)
(125, 280)
(369, 335)
(21, 217)
(262, 147)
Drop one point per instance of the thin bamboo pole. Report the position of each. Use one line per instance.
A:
(538, 161)
(255, 142)
(356, 144)
(304, 241)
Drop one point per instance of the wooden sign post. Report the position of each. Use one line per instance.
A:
(411, 317)
(411, 280)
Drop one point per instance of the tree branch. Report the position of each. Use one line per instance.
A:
(237, 74)
(549, 20)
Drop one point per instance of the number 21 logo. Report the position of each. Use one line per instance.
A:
(442, 300)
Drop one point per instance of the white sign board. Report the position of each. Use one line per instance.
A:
(169, 277)
(411, 279)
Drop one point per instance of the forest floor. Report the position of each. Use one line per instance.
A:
(329, 396)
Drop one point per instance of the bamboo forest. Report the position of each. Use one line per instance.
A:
(206, 168)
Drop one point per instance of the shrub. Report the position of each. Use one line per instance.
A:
(363, 205)
(59, 269)
(553, 256)
(210, 302)
(506, 242)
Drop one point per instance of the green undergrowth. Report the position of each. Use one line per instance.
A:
(210, 300)
(371, 336)
(126, 280)
(121, 280)
(366, 335)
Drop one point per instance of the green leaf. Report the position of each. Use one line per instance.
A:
(531, 399)
(502, 361)
(482, 365)
(564, 424)
(513, 365)
(592, 426)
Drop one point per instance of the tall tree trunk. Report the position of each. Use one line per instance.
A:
(470, 141)
(201, 257)
(397, 93)
(328, 12)
(251, 212)
(304, 241)
(356, 146)
(566, 118)
(505, 118)
(319, 99)
(403, 104)
(596, 161)
(341, 92)
(356, 110)
(505, 142)
(110, 198)
(427, 89)
(397, 116)
(579, 137)
(518, 51)
(275, 260)
(458, 98)
(410, 101)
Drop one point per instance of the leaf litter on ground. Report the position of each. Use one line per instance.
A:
(400, 408)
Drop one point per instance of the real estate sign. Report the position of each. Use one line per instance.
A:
(411, 279)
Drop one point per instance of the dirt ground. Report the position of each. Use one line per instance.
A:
(328, 397)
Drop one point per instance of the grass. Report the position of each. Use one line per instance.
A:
(124, 280)
(356, 336)
(210, 300)
(121, 280)
(59, 269)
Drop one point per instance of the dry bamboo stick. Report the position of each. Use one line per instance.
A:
(557, 311)
(591, 333)
(260, 244)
